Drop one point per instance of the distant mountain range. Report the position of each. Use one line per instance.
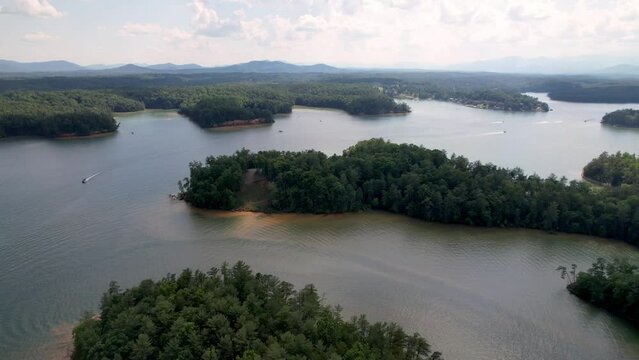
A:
(622, 69)
(7, 66)
(276, 67)
(595, 65)
(169, 66)
(604, 66)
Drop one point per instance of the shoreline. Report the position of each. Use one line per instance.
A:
(125, 113)
(238, 127)
(90, 136)
(476, 106)
(241, 124)
(61, 345)
(592, 181)
(245, 211)
(620, 126)
(55, 138)
(494, 109)
(306, 107)
(282, 216)
(383, 114)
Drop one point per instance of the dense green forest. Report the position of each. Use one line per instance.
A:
(458, 80)
(355, 99)
(612, 285)
(221, 111)
(613, 169)
(217, 106)
(84, 112)
(602, 91)
(624, 118)
(421, 183)
(274, 98)
(480, 98)
(231, 313)
(578, 88)
(214, 106)
(52, 114)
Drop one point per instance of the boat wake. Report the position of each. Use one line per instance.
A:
(87, 179)
(492, 133)
(548, 122)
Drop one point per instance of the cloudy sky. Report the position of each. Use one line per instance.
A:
(338, 32)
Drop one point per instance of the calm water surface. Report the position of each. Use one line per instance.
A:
(474, 293)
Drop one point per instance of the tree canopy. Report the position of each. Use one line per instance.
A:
(614, 169)
(624, 118)
(51, 114)
(356, 99)
(612, 285)
(231, 313)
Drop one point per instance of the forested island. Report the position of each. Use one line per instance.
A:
(355, 99)
(247, 105)
(622, 118)
(612, 285)
(478, 98)
(613, 169)
(229, 105)
(418, 182)
(60, 114)
(235, 314)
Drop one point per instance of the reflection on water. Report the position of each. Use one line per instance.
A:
(475, 293)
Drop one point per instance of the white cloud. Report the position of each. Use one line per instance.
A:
(140, 29)
(38, 37)
(207, 22)
(310, 23)
(204, 16)
(387, 32)
(455, 13)
(175, 34)
(36, 8)
(350, 7)
(151, 29)
(526, 11)
(365, 32)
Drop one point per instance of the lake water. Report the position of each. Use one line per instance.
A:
(474, 293)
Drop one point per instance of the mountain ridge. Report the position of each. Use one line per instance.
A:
(42, 66)
(258, 66)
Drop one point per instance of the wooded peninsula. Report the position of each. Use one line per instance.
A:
(415, 181)
(622, 118)
(490, 99)
(611, 285)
